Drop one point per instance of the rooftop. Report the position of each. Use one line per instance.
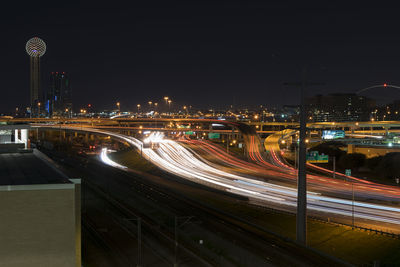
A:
(28, 169)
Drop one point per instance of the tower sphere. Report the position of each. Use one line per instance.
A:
(35, 47)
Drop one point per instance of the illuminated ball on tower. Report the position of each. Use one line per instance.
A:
(36, 48)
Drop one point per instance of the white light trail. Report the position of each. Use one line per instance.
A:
(176, 159)
(108, 161)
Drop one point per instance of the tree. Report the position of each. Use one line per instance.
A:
(352, 161)
(388, 167)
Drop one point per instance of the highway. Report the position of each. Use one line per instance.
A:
(362, 187)
(174, 158)
(286, 175)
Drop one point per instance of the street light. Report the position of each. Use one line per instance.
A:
(119, 107)
(185, 108)
(138, 107)
(38, 109)
(169, 106)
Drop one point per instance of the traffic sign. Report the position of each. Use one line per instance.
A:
(213, 135)
(348, 172)
(315, 157)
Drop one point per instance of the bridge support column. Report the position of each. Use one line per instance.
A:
(350, 148)
(24, 137)
(16, 136)
(86, 138)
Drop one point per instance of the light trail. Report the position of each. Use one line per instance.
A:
(176, 159)
(361, 185)
(289, 175)
(104, 158)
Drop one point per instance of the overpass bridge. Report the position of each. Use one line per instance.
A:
(258, 125)
(228, 129)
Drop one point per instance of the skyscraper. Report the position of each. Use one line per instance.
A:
(340, 107)
(35, 48)
(59, 95)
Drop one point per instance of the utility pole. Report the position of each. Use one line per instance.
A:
(176, 242)
(139, 239)
(352, 205)
(177, 226)
(301, 218)
(139, 225)
(334, 167)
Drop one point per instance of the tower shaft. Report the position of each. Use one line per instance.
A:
(34, 83)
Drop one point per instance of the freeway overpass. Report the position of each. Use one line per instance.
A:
(261, 125)
(233, 130)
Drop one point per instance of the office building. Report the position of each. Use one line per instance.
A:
(339, 107)
(59, 103)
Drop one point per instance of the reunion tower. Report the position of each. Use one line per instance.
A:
(35, 48)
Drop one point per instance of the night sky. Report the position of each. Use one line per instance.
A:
(205, 54)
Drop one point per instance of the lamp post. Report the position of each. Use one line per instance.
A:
(138, 108)
(38, 108)
(119, 107)
(185, 108)
(150, 103)
(169, 106)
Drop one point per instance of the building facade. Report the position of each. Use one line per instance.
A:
(59, 103)
(339, 107)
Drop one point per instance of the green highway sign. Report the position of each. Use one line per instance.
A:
(213, 135)
(315, 157)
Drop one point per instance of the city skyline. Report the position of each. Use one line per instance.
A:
(194, 133)
(191, 51)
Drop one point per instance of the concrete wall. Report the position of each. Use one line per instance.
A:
(38, 226)
(5, 139)
(78, 219)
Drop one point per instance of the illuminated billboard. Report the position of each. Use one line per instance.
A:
(333, 134)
